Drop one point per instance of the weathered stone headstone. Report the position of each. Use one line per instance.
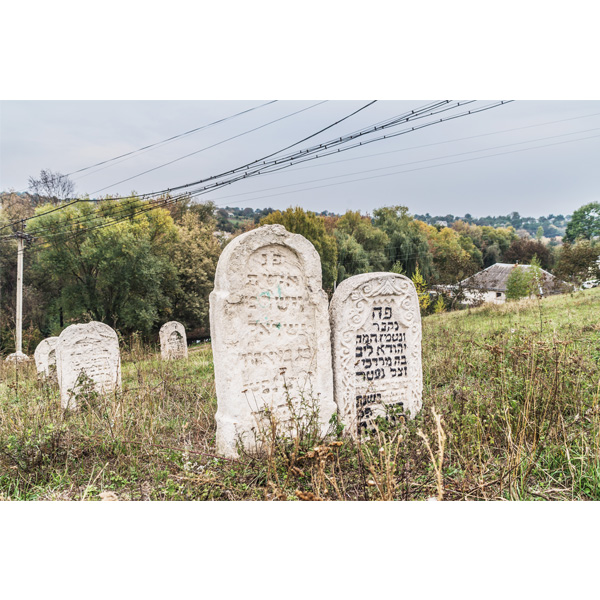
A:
(87, 353)
(45, 357)
(173, 341)
(270, 336)
(376, 339)
(17, 357)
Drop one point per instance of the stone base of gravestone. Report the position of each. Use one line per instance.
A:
(17, 357)
(271, 340)
(376, 340)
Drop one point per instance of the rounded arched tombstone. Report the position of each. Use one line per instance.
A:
(270, 338)
(45, 357)
(87, 357)
(173, 341)
(17, 357)
(376, 338)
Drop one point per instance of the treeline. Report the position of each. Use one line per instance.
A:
(550, 226)
(134, 266)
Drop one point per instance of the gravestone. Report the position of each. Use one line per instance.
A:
(45, 357)
(17, 357)
(376, 339)
(87, 357)
(270, 337)
(173, 341)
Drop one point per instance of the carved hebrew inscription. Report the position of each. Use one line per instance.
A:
(173, 341)
(87, 357)
(268, 333)
(376, 328)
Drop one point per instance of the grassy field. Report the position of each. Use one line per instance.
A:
(510, 412)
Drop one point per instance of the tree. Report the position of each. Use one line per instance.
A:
(585, 223)
(523, 250)
(455, 256)
(578, 262)
(95, 269)
(518, 284)
(312, 227)
(408, 244)
(54, 186)
(195, 256)
(422, 293)
(361, 247)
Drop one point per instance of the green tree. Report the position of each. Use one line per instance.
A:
(312, 227)
(578, 262)
(585, 223)
(422, 293)
(94, 268)
(361, 246)
(455, 256)
(518, 284)
(195, 256)
(408, 244)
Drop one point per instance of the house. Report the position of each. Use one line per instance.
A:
(489, 285)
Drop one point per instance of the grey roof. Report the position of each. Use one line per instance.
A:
(494, 279)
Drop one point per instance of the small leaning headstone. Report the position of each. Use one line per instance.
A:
(173, 341)
(376, 339)
(87, 358)
(270, 338)
(45, 357)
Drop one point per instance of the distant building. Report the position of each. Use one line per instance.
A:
(489, 285)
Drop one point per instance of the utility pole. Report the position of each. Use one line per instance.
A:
(18, 355)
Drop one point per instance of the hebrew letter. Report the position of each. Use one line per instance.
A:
(377, 308)
(388, 312)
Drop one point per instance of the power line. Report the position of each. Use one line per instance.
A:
(417, 169)
(471, 137)
(407, 116)
(208, 147)
(168, 140)
(411, 163)
(167, 191)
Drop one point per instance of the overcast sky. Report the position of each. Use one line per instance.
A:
(547, 164)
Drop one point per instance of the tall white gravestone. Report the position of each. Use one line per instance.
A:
(87, 352)
(376, 338)
(270, 330)
(173, 341)
(45, 357)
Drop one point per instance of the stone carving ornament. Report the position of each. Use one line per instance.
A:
(376, 339)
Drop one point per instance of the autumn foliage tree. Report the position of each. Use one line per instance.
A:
(312, 227)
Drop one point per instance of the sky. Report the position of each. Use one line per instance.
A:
(534, 157)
